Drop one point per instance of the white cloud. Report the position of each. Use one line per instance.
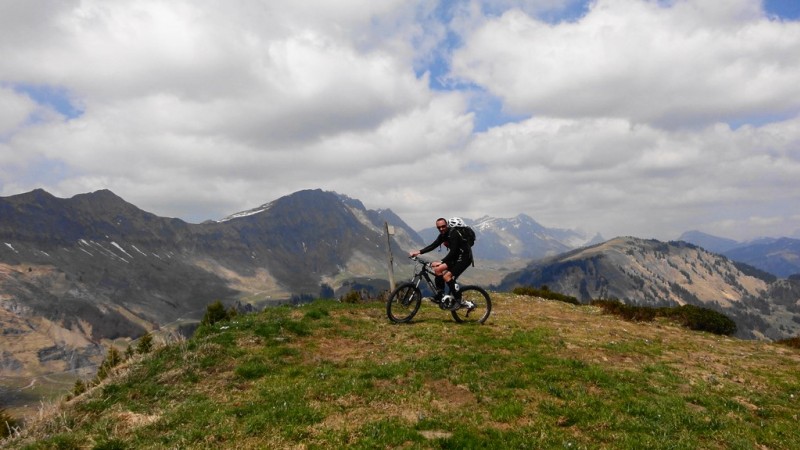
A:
(686, 63)
(592, 173)
(199, 109)
(15, 110)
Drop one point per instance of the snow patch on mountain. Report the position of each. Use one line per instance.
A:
(247, 213)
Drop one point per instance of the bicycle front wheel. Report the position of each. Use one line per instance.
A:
(475, 305)
(403, 303)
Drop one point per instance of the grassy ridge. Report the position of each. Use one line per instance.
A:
(539, 374)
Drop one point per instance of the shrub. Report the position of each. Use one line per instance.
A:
(609, 306)
(701, 319)
(215, 312)
(352, 297)
(790, 342)
(525, 290)
(79, 387)
(113, 358)
(627, 312)
(690, 316)
(545, 292)
(7, 423)
(145, 344)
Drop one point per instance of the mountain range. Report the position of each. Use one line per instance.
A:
(80, 274)
(519, 238)
(778, 256)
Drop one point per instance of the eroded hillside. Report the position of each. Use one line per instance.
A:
(654, 273)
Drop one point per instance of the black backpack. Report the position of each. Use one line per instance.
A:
(467, 234)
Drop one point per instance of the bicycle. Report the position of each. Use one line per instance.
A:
(404, 302)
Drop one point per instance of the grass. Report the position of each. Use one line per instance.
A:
(538, 374)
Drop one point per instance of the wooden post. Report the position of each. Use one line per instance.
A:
(390, 231)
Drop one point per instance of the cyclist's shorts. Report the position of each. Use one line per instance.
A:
(458, 267)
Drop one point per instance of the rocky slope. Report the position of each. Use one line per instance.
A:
(77, 274)
(653, 273)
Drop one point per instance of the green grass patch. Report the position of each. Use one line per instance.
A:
(331, 375)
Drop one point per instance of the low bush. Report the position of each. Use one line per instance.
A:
(545, 292)
(790, 342)
(112, 359)
(79, 387)
(145, 344)
(627, 312)
(215, 312)
(351, 297)
(7, 423)
(700, 319)
(690, 316)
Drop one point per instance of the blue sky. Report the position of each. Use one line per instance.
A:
(624, 117)
(785, 9)
(488, 109)
(55, 97)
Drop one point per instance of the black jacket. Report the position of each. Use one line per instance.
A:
(458, 247)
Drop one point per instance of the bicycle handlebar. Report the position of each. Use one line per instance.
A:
(420, 260)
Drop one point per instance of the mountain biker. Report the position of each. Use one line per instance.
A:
(458, 258)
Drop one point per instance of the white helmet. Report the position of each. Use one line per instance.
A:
(455, 222)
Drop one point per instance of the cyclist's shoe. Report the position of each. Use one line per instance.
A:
(447, 302)
(458, 304)
(437, 297)
(462, 304)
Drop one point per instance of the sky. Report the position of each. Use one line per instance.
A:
(642, 118)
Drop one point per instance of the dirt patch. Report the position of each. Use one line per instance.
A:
(448, 396)
(343, 350)
(128, 421)
(435, 434)
(355, 412)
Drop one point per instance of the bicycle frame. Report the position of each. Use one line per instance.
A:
(422, 271)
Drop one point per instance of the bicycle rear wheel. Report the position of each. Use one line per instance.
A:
(403, 303)
(475, 305)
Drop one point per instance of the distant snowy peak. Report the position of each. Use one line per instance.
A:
(519, 237)
(249, 212)
(523, 223)
(487, 223)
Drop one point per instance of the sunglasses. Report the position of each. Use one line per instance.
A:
(443, 227)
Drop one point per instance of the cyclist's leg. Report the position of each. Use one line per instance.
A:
(452, 274)
(442, 276)
(438, 281)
